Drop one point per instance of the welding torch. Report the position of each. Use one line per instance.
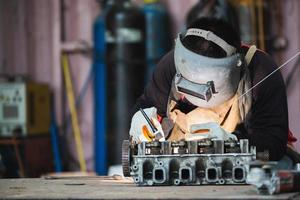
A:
(157, 134)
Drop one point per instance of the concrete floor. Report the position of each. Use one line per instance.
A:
(118, 188)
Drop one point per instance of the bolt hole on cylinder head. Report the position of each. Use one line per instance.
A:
(135, 167)
(150, 182)
(176, 182)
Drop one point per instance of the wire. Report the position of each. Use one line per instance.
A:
(292, 73)
(284, 64)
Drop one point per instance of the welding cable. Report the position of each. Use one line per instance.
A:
(261, 37)
(270, 74)
(74, 118)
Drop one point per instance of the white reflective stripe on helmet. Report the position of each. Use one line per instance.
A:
(210, 36)
(198, 69)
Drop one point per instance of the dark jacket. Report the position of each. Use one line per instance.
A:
(266, 126)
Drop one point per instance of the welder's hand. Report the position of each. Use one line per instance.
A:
(209, 130)
(140, 129)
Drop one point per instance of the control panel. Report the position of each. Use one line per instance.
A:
(24, 108)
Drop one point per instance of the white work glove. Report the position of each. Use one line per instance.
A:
(197, 116)
(140, 129)
(209, 130)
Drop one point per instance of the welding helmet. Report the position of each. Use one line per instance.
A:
(205, 81)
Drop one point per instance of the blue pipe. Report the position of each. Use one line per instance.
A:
(100, 96)
(158, 40)
(55, 143)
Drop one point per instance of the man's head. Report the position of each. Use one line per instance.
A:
(207, 62)
(207, 48)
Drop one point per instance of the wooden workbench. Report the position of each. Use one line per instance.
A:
(119, 188)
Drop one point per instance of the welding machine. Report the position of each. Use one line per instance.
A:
(24, 109)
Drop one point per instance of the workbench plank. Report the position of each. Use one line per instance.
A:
(108, 188)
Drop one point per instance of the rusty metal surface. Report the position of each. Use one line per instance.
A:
(120, 188)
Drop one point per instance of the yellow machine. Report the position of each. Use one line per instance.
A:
(24, 109)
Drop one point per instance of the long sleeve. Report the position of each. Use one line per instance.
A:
(266, 127)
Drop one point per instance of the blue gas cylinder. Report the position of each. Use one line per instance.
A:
(158, 34)
(125, 61)
(100, 91)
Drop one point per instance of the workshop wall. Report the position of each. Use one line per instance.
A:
(33, 31)
(30, 38)
(78, 17)
(291, 30)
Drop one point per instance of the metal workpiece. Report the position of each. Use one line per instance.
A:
(269, 181)
(263, 156)
(244, 146)
(219, 146)
(126, 157)
(297, 166)
(199, 162)
(166, 147)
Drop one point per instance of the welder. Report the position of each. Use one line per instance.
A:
(204, 88)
